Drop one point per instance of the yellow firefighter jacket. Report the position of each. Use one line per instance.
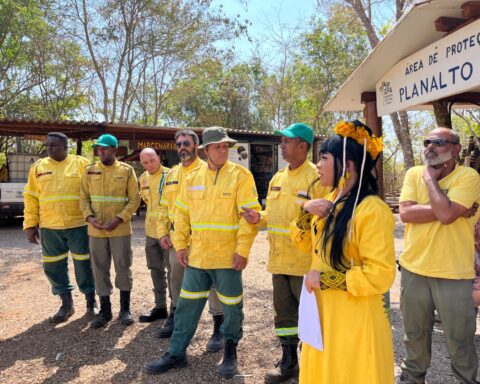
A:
(150, 186)
(170, 191)
(209, 205)
(109, 191)
(52, 193)
(287, 192)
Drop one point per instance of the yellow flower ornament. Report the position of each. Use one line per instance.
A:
(360, 134)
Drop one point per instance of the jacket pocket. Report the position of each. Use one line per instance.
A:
(170, 189)
(119, 186)
(225, 205)
(300, 196)
(273, 195)
(46, 182)
(196, 192)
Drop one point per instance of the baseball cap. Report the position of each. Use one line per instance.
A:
(297, 130)
(214, 135)
(106, 140)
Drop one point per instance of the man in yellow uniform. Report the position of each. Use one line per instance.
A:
(187, 147)
(438, 205)
(209, 207)
(289, 189)
(152, 182)
(108, 198)
(51, 203)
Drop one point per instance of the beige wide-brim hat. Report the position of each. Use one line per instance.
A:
(215, 135)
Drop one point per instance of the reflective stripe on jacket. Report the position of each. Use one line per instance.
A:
(287, 192)
(109, 191)
(52, 193)
(150, 193)
(170, 191)
(209, 205)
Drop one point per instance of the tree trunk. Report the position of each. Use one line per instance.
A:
(402, 131)
(442, 114)
(399, 119)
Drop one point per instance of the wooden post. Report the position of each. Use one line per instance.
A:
(79, 147)
(369, 99)
(315, 149)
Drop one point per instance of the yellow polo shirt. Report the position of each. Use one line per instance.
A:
(434, 249)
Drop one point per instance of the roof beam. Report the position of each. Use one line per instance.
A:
(471, 10)
(447, 24)
(461, 98)
(366, 97)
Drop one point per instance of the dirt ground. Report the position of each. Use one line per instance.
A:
(34, 351)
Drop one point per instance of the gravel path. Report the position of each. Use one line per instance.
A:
(34, 351)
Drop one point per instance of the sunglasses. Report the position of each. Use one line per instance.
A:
(437, 142)
(185, 143)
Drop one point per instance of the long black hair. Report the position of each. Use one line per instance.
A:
(336, 224)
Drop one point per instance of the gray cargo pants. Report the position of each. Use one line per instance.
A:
(157, 261)
(102, 251)
(452, 299)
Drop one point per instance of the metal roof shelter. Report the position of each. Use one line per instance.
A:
(257, 150)
(88, 130)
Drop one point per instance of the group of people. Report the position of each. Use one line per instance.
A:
(327, 229)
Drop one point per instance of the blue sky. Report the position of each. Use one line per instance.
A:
(261, 13)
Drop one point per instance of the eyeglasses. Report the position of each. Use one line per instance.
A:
(437, 142)
(185, 143)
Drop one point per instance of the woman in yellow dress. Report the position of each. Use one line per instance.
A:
(353, 264)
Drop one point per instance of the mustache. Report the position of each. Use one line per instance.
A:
(430, 158)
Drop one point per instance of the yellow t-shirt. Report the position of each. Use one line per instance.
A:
(441, 250)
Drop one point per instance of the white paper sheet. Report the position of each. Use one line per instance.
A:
(309, 327)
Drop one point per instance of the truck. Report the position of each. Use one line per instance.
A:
(11, 190)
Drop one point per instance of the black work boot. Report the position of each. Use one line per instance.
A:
(125, 316)
(228, 368)
(285, 368)
(165, 363)
(167, 328)
(154, 314)
(105, 314)
(215, 343)
(66, 310)
(92, 308)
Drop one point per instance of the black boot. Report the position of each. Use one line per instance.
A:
(215, 343)
(154, 314)
(66, 310)
(285, 368)
(125, 316)
(105, 314)
(92, 308)
(167, 328)
(228, 368)
(165, 363)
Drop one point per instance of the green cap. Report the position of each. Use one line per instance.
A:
(106, 141)
(214, 135)
(297, 130)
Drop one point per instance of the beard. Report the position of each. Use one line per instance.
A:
(437, 159)
(185, 156)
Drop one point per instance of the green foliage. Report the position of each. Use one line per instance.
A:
(41, 72)
(216, 94)
(329, 54)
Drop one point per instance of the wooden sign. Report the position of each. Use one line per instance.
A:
(158, 145)
(35, 137)
(447, 67)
